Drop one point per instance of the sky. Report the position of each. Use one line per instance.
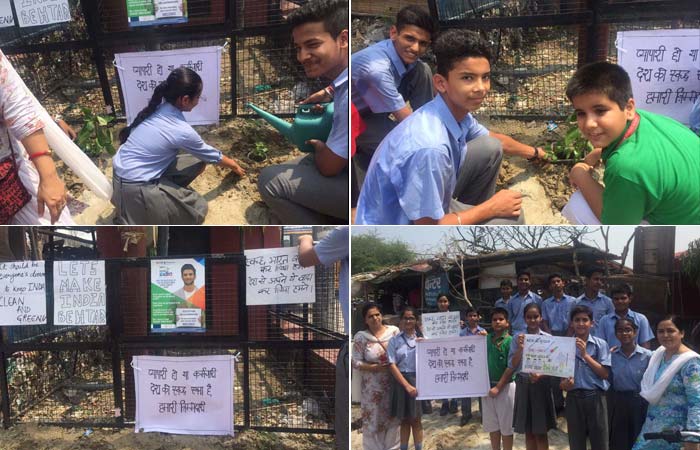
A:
(423, 239)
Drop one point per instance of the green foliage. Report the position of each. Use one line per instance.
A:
(690, 261)
(259, 153)
(95, 136)
(571, 146)
(370, 252)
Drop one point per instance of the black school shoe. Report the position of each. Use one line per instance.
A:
(464, 420)
(426, 406)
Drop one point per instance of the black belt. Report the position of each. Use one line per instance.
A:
(627, 393)
(584, 393)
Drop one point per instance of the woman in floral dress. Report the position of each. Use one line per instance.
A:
(379, 430)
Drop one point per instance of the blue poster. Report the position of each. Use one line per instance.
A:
(434, 284)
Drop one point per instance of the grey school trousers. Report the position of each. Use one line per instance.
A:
(587, 417)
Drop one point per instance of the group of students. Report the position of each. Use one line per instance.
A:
(425, 160)
(620, 388)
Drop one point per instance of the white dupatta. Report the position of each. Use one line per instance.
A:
(653, 391)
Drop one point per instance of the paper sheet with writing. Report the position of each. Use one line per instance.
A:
(6, 17)
(22, 293)
(79, 294)
(184, 395)
(440, 324)
(274, 277)
(452, 368)
(44, 12)
(664, 67)
(549, 355)
(141, 72)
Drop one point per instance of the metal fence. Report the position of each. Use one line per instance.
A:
(81, 376)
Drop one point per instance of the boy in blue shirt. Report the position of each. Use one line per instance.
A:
(518, 302)
(622, 297)
(599, 303)
(506, 293)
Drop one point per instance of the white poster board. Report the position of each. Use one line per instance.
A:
(22, 293)
(32, 13)
(440, 324)
(141, 72)
(549, 355)
(6, 17)
(490, 277)
(79, 293)
(184, 395)
(452, 368)
(664, 67)
(274, 277)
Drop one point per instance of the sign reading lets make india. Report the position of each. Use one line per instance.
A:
(79, 293)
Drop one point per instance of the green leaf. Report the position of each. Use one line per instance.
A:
(104, 120)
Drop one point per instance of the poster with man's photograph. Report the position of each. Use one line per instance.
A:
(177, 295)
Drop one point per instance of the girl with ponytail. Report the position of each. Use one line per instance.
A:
(151, 174)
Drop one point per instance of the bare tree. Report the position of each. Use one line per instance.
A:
(476, 240)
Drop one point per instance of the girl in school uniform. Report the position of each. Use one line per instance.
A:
(401, 353)
(150, 177)
(627, 408)
(533, 413)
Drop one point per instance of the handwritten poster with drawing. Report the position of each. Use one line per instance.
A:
(664, 66)
(79, 295)
(178, 295)
(184, 395)
(22, 293)
(44, 12)
(275, 277)
(549, 355)
(441, 324)
(452, 368)
(6, 17)
(141, 72)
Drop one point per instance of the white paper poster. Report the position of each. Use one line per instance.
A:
(549, 355)
(274, 277)
(440, 324)
(664, 67)
(452, 368)
(6, 17)
(32, 13)
(141, 72)
(184, 395)
(79, 295)
(22, 293)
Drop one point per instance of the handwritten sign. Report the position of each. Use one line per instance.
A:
(441, 324)
(79, 293)
(452, 368)
(433, 285)
(141, 72)
(664, 66)
(22, 293)
(178, 295)
(32, 13)
(274, 277)
(549, 355)
(184, 395)
(6, 17)
(155, 12)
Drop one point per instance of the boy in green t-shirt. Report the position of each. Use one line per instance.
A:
(651, 161)
(497, 407)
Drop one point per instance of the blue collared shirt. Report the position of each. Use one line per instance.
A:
(556, 312)
(516, 309)
(402, 352)
(500, 303)
(338, 138)
(584, 377)
(414, 171)
(606, 328)
(376, 75)
(153, 145)
(468, 332)
(601, 305)
(627, 372)
(514, 348)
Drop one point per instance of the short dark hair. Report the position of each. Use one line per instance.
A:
(187, 267)
(418, 16)
(524, 272)
(622, 288)
(508, 283)
(454, 45)
(470, 310)
(443, 294)
(604, 78)
(333, 14)
(499, 310)
(589, 273)
(553, 276)
(533, 305)
(580, 309)
(625, 320)
(675, 319)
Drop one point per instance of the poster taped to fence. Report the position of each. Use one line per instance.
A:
(22, 293)
(664, 66)
(452, 368)
(440, 324)
(6, 17)
(156, 12)
(275, 277)
(44, 12)
(141, 72)
(549, 355)
(184, 395)
(178, 295)
(79, 294)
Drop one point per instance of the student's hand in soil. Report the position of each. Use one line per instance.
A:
(593, 157)
(505, 203)
(578, 173)
(567, 384)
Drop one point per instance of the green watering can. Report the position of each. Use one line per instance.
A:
(308, 124)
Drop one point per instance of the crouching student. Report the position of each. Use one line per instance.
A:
(497, 407)
(586, 410)
(628, 409)
(651, 161)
